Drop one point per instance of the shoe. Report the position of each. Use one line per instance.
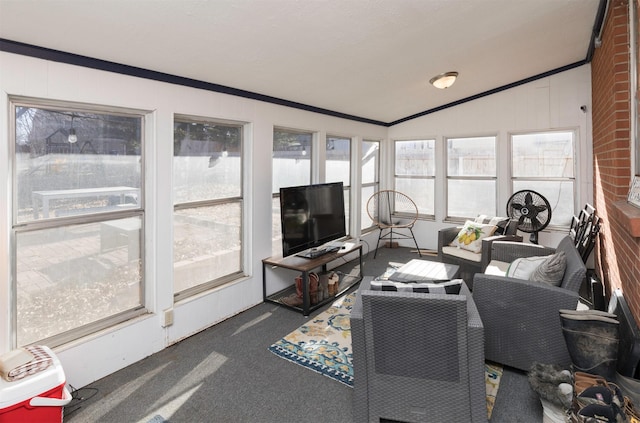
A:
(582, 381)
(601, 395)
(597, 413)
(599, 403)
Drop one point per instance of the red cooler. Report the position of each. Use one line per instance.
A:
(38, 397)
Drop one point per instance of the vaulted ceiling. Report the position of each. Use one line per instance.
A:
(370, 59)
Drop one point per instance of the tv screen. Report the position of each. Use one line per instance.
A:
(311, 215)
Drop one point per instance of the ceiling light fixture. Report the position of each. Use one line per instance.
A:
(444, 80)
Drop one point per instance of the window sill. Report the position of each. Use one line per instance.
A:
(628, 216)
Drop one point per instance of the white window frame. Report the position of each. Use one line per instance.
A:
(239, 199)
(375, 184)
(494, 178)
(275, 194)
(74, 221)
(573, 180)
(396, 175)
(347, 187)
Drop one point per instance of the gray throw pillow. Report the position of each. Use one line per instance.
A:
(551, 271)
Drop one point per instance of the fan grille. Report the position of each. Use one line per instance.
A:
(530, 209)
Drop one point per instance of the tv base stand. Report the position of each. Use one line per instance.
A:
(306, 266)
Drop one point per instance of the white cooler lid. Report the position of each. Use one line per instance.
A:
(12, 393)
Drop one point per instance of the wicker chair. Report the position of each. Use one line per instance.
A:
(471, 263)
(520, 317)
(391, 211)
(417, 357)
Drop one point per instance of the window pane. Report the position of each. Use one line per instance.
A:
(276, 227)
(469, 198)
(471, 156)
(547, 155)
(72, 276)
(370, 162)
(421, 191)
(207, 161)
(208, 170)
(338, 165)
(559, 194)
(291, 159)
(370, 178)
(206, 244)
(365, 220)
(292, 154)
(415, 158)
(347, 208)
(75, 163)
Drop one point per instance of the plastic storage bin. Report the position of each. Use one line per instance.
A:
(39, 397)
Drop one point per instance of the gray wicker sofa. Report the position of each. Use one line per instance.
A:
(520, 317)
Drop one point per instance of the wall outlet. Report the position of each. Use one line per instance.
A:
(168, 318)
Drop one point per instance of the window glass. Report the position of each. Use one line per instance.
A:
(78, 220)
(471, 177)
(207, 161)
(370, 162)
(291, 166)
(544, 163)
(338, 160)
(338, 168)
(479, 198)
(415, 157)
(471, 156)
(415, 170)
(207, 221)
(370, 178)
(72, 163)
(207, 245)
(543, 155)
(72, 276)
(291, 159)
(421, 191)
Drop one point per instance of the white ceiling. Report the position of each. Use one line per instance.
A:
(367, 58)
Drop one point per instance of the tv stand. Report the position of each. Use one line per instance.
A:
(305, 266)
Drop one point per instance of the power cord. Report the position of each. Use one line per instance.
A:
(78, 397)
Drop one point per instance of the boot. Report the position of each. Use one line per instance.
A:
(592, 340)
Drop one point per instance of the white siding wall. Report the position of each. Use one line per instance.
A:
(552, 102)
(99, 355)
(549, 103)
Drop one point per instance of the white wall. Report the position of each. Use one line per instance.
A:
(549, 103)
(101, 354)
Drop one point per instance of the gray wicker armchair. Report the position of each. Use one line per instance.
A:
(417, 357)
(472, 263)
(520, 317)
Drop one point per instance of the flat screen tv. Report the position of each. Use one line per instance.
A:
(311, 215)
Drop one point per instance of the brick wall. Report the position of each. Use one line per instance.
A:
(618, 253)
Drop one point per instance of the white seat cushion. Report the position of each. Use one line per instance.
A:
(497, 268)
(464, 254)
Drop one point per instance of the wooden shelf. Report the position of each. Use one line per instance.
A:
(305, 266)
(628, 216)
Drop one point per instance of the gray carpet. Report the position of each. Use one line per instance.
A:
(227, 374)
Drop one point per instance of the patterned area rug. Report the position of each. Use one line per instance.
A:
(324, 345)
